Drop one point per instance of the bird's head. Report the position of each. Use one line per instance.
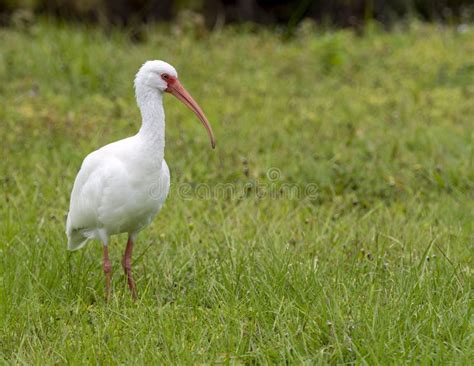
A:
(163, 77)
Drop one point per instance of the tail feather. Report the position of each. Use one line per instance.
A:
(77, 239)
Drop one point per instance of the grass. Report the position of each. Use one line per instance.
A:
(343, 233)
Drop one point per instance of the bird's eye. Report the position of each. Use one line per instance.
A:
(165, 76)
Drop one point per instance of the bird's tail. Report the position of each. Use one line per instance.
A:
(77, 239)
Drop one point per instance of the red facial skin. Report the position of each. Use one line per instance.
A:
(175, 88)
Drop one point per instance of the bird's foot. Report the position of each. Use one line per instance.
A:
(107, 270)
(127, 268)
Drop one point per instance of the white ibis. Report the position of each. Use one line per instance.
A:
(122, 186)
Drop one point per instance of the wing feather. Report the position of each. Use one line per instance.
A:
(91, 187)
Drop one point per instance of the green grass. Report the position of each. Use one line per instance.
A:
(375, 268)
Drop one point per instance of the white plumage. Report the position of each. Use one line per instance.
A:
(119, 189)
(122, 186)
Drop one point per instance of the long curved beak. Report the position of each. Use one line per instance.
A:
(179, 92)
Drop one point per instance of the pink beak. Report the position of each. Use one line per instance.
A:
(175, 88)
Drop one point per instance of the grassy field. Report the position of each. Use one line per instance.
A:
(343, 233)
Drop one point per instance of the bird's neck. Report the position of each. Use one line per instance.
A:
(152, 131)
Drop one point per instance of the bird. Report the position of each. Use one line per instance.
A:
(123, 185)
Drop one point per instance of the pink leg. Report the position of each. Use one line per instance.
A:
(127, 266)
(107, 270)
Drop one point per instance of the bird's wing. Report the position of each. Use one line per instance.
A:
(90, 188)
